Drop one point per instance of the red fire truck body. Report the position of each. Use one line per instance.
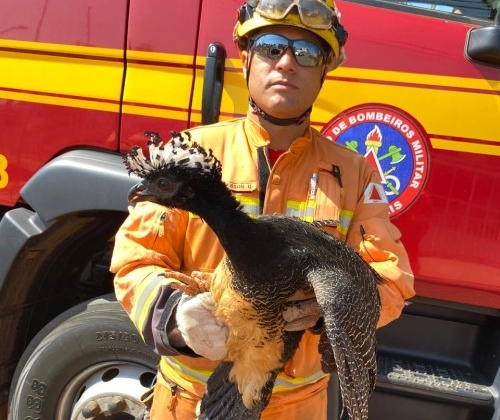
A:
(81, 81)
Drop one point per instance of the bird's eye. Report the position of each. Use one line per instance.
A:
(163, 184)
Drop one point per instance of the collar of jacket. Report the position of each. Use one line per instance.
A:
(259, 137)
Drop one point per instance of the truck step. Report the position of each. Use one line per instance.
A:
(441, 380)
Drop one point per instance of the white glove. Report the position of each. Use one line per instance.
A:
(200, 329)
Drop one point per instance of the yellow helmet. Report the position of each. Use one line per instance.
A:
(319, 17)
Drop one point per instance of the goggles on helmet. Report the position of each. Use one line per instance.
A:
(307, 52)
(314, 14)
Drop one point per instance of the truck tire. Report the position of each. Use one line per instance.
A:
(88, 363)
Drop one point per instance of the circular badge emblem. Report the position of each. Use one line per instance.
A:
(394, 144)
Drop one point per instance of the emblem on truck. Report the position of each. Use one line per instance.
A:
(394, 144)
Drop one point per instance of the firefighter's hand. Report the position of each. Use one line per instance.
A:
(199, 328)
(302, 312)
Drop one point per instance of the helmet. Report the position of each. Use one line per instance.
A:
(252, 17)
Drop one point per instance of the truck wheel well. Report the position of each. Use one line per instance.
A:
(65, 265)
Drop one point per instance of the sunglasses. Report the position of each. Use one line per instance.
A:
(314, 14)
(307, 52)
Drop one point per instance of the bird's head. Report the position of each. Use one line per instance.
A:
(174, 171)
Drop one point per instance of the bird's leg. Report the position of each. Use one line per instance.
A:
(198, 282)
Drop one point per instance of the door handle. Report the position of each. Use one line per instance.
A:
(213, 82)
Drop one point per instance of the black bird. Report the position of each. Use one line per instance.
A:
(267, 260)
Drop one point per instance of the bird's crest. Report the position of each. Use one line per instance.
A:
(178, 152)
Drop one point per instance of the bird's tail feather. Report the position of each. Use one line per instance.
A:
(350, 308)
(354, 377)
(223, 401)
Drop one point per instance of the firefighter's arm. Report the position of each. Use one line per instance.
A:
(379, 242)
(146, 259)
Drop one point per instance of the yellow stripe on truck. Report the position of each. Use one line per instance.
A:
(55, 75)
(458, 146)
(152, 90)
(437, 102)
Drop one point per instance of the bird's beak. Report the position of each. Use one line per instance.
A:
(137, 193)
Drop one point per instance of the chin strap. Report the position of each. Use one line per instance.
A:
(279, 121)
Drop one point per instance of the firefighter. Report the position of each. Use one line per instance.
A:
(287, 48)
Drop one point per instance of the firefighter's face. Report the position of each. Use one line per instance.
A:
(281, 86)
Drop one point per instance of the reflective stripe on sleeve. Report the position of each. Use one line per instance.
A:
(147, 292)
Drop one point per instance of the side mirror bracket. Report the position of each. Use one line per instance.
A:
(483, 44)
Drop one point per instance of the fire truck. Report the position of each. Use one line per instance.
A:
(80, 81)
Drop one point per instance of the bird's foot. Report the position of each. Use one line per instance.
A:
(198, 282)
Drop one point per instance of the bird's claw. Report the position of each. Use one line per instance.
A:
(197, 282)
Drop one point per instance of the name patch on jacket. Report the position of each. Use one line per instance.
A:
(242, 186)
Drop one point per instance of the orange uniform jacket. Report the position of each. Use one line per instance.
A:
(155, 240)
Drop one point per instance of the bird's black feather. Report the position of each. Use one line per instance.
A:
(267, 260)
(223, 401)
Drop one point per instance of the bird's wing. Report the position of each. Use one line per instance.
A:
(222, 400)
(350, 307)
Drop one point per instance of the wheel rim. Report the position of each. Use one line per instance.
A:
(110, 391)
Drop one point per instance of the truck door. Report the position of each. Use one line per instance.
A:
(160, 59)
(61, 76)
(219, 91)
